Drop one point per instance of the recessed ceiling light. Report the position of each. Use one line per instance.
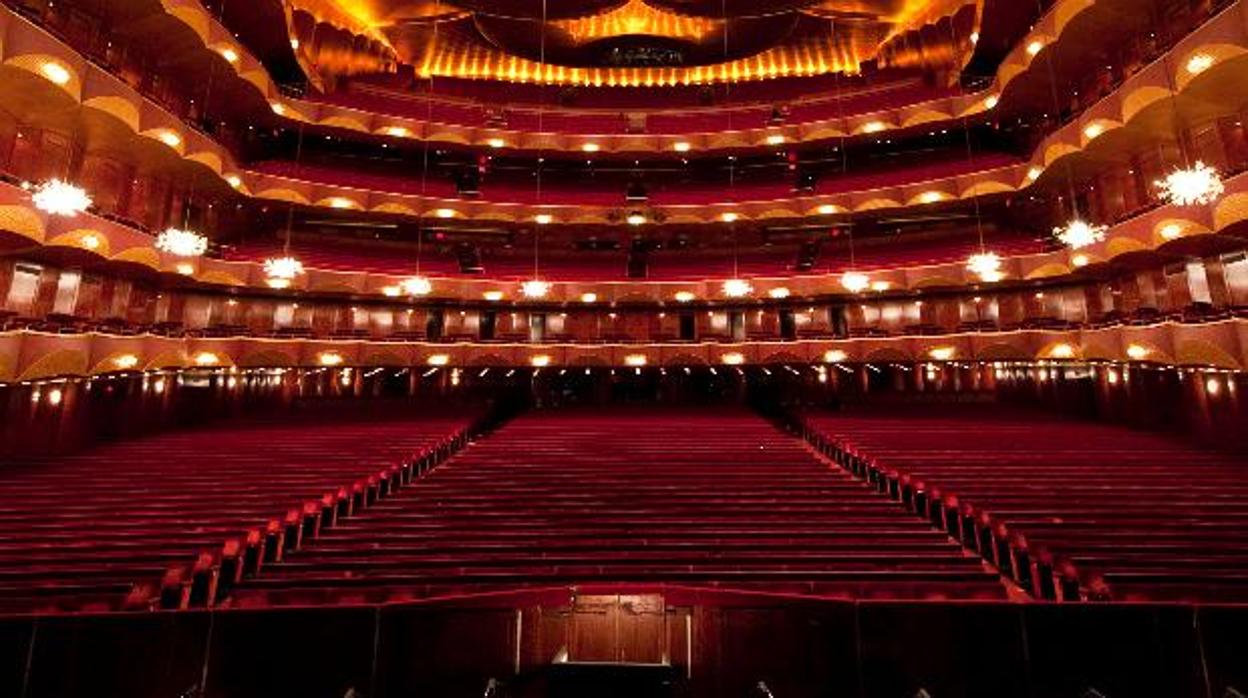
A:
(55, 72)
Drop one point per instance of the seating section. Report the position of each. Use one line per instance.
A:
(1136, 516)
(684, 497)
(79, 533)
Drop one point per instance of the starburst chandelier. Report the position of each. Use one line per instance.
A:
(182, 243)
(855, 282)
(60, 198)
(416, 286)
(1195, 185)
(985, 265)
(280, 271)
(1078, 234)
(535, 288)
(737, 288)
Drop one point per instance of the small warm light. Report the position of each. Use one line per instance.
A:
(278, 108)
(277, 283)
(231, 383)
(170, 139)
(635, 360)
(535, 288)
(737, 288)
(543, 219)
(1062, 351)
(778, 293)
(438, 360)
(60, 198)
(1080, 260)
(827, 209)
(126, 361)
(397, 131)
(294, 44)
(729, 217)
(158, 386)
(682, 146)
(636, 219)
(1212, 386)
(834, 356)
(416, 286)
(1093, 130)
(1034, 173)
(206, 358)
(683, 296)
(873, 127)
(229, 55)
(184, 268)
(931, 197)
(589, 297)
(1173, 231)
(1112, 377)
(55, 72)
(391, 291)
(496, 142)
(991, 102)
(974, 38)
(1199, 63)
(855, 282)
(590, 147)
(55, 395)
(234, 181)
(492, 296)
(1191, 186)
(181, 243)
(444, 212)
(1034, 47)
(540, 361)
(880, 286)
(941, 353)
(1137, 352)
(775, 139)
(734, 358)
(330, 358)
(90, 242)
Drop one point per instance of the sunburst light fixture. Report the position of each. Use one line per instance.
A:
(855, 282)
(985, 265)
(737, 288)
(416, 286)
(535, 288)
(60, 198)
(182, 243)
(280, 271)
(1191, 186)
(1078, 234)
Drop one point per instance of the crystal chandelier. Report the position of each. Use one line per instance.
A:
(416, 286)
(737, 288)
(181, 243)
(1191, 186)
(985, 265)
(60, 198)
(535, 288)
(855, 282)
(1078, 234)
(280, 271)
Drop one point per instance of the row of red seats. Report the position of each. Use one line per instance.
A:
(692, 497)
(95, 531)
(1070, 510)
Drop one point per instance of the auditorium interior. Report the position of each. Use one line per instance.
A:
(725, 348)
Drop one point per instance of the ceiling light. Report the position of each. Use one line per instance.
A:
(734, 358)
(492, 296)
(1080, 260)
(1199, 63)
(880, 286)
(416, 286)
(942, 353)
(681, 146)
(683, 296)
(985, 265)
(206, 358)
(341, 202)
(737, 288)
(278, 108)
(398, 131)
(438, 360)
(170, 138)
(778, 293)
(1034, 173)
(496, 142)
(1191, 186)
(1172, 231)
(391, 291)
(589, 297)
(60, 198)
(330, 358)
(234, 181)
(775, 139)
(55, 72)
(827, 209)
(1137, 352)
(126, 361)
(540, 361)
(834, 356)
(1062, 351)
(1034, 47)
(229, 55)
(873, 127)
(184, 269)
(991, 102)
(635, 360)
(55, 395)
(543, 219)
(294, 44)
(1078, 234)
(281, 269)
(90, 241)
(444, 212)
(1093, 130)
(855, 282)
(635, 218)
(1211, 386)
(590, 147)
(974, 38)
(931, 197)
(535, 288)
(181, 243)
(729, 217)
